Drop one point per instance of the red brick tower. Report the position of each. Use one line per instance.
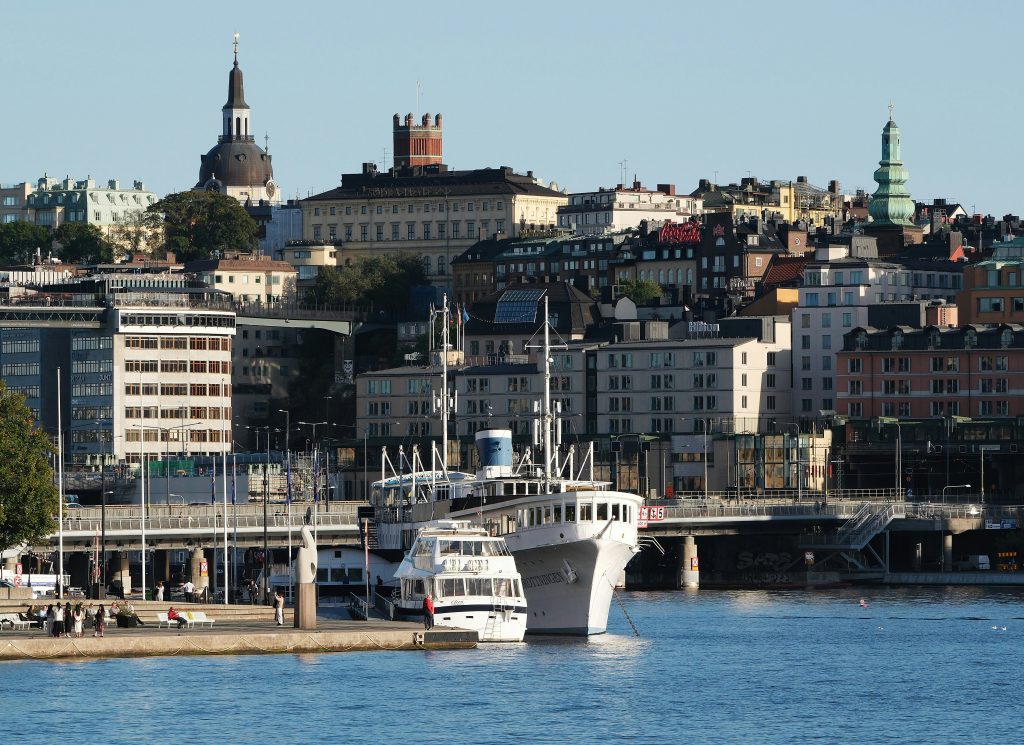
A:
(417, 145)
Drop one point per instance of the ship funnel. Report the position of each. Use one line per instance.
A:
(494, 447)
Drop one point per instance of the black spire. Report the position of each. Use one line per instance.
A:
(236, 89)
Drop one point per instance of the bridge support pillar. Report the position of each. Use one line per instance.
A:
(947, 552)
(196, 565)
(689, 570)
(120, 571)
(917, 557)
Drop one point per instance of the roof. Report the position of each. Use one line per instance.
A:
(434, 182)
(239, 265)
(236, 88)
(572, 311)
(784, 270)
(236, 162)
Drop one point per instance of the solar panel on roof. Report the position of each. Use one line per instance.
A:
(518, 306)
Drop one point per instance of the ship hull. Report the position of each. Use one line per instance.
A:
(569, 586)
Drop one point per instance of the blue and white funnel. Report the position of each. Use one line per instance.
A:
(494, 447)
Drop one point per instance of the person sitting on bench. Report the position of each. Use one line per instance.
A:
(173, 615)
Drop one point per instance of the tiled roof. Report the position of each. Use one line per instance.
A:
(784, 270)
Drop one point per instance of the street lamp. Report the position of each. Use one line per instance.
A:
(899, 449)
(956, 486)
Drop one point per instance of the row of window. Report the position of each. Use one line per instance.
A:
(181, 319)
(190, 389)
(177, 412)
(557, 512)
(210, 343)
(150, 434)
(986, 363)
(935, 408)
(395, 209)
(428, 231)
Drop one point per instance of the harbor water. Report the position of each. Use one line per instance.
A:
(914, 665)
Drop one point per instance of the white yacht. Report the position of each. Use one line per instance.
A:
(471, 577)
(571, 535)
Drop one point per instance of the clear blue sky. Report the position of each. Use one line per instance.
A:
(680, 90)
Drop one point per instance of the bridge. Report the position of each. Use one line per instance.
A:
(179, 527)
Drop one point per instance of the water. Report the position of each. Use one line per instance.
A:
(915, 665)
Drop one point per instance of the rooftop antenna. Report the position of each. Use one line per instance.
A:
(236, 48)
(622, 171)
(419, 92)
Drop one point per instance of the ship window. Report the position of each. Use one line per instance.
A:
(602, 510)
(417, 588)
(508, 488)
(452, 587)
(547, 514)
(533, 517)
(558, 513)
(615, 512)
(570, 513)
(450, 547)
(503, 587)
(586, 511)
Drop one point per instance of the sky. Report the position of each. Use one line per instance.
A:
(678, 90)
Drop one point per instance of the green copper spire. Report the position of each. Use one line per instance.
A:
(891, 203)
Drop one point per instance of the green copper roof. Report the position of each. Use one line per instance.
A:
(891, 203)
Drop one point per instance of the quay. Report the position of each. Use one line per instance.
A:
(233, 633)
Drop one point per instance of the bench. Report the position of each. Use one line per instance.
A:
(192, 618)
(199, 618)
(15, 620)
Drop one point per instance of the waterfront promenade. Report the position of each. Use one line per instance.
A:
(230, 636)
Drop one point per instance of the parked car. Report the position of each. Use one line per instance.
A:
(973, 563)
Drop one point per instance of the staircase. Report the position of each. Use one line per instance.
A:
(869, 520)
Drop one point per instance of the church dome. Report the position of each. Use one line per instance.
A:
(235, 163)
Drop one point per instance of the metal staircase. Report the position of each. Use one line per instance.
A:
(853, 535)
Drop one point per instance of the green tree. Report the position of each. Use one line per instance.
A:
(28, 497)
(19, 241)
(135, 231)
(197, 223)
(384, 281)
(640, 291)
(81, 243)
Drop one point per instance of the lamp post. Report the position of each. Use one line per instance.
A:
(956, 486)
(799, 481)
(982, 449)
(899, 449)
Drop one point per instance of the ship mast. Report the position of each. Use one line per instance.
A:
(444, 383)
(547, 399)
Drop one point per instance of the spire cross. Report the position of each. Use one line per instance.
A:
(890, 109)
(236, 48)
(266, 142)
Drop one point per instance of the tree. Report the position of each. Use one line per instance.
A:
(197, 223)
(81, 243)
(386, 282)
(28, 497)
(19, 241)
(135, 231)
(640, 291)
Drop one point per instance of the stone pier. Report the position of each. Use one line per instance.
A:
(689, 570)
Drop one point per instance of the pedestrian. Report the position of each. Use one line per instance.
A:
(279, 608)
(159, 591)
(78, 618)
(428, 612)
(99, 622)
(69, 620)
(189, 589)
(47, 620)
(58, 621)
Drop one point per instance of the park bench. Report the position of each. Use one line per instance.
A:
(15, 620)
(192, 618)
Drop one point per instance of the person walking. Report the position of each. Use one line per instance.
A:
(428, 612)
(189, 589)
(99, 621)
(159, 591)
(279, 608)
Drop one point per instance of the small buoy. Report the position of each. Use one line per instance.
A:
(863, 603)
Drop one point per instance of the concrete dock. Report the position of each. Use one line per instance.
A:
(232, 636)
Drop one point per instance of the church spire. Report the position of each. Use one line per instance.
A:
(236, 110)
(891, 203)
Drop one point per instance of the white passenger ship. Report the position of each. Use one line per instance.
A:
(471, 577)
(571, 536)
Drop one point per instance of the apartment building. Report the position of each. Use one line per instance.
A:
(993, 289)
(13, 198)
(625, 208)
(142, 372)
(844, 286)
(56, 201)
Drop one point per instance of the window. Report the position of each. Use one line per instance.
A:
(847, 320)
(854, 365)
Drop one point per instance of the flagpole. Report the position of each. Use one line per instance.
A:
(234, 508)
(60, 493)
(227, 567)
(288, 513)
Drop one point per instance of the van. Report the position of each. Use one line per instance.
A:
(973, 563)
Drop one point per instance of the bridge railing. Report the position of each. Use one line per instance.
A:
(781, 496)
(91, 523)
